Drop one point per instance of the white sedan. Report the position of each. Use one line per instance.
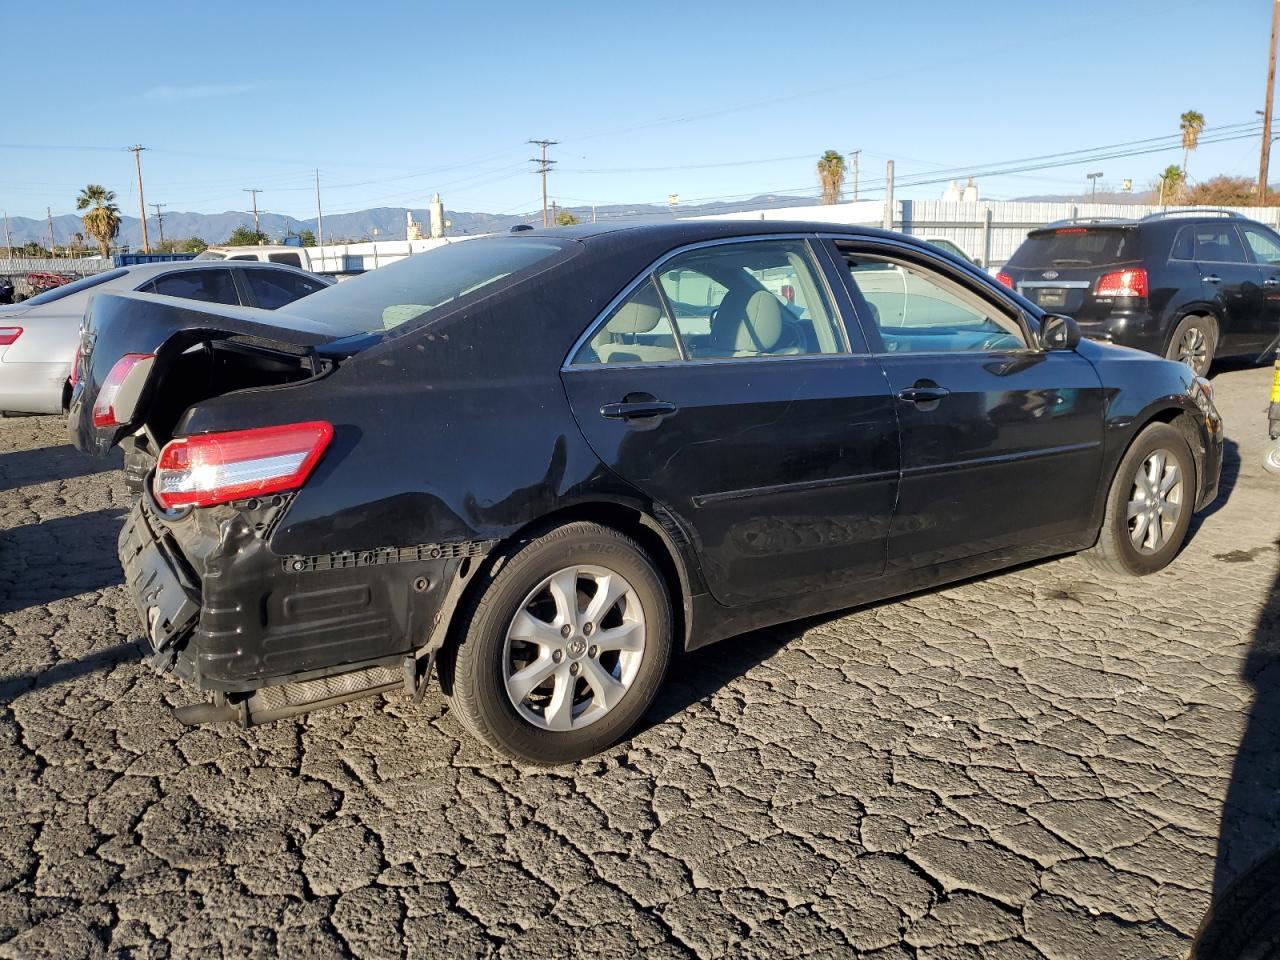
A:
(38, 337)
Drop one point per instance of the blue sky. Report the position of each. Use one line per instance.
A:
(701, 98)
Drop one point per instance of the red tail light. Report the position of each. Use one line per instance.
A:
(104, 408)
(1005, 279)
(9, 334)
(214, 468)
(1122, 283)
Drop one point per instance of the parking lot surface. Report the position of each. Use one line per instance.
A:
(1044, 763)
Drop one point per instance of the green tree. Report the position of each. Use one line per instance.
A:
(307, 237)
(192, 245)
(33, 249)
(1191, 125)
(242, 236)
(831, 176)
(566, 219)
(102, 221)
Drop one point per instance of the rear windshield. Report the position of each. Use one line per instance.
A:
(210, 255)
(75, 286)
(410, 289)
(1076, 247)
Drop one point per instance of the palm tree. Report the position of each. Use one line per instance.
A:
(831, 176)
(1192, 124)
(102, 222)
(1172, 179)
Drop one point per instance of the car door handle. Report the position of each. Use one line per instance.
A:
(1271, 282)
(1212, 278)
(923, 394)
(637, 409)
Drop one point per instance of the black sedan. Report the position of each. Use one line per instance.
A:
(543, 462)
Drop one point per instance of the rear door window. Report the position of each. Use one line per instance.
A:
(1076, 247)
(210, 286)
(276, 288)
(1216, 243)
(290, 259)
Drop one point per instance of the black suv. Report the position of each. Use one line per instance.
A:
(1190, 285)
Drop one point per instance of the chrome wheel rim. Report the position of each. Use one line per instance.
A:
(573, 648)
(1155, 502)
(1193, 348)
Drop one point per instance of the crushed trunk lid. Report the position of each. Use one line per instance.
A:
(184, 352)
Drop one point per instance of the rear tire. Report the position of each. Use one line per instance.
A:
(543, 674)
(1194, 342)
(1149, 505)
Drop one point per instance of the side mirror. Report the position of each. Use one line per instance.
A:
(1058, 332)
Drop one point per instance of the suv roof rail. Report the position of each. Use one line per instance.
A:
(1195, 212)
(1069, 221)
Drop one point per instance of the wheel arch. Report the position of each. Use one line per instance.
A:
(678, 571)
(1185, 419)
(1198, 308)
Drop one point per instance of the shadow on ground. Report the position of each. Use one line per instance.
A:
(1244, 921)
(22, 468)
(14, 685)
(58, 558)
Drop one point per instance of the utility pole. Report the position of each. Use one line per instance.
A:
(254, 191)
(555, 214)
(160, 221)
(319, 212)
(1265, 161)
(544, 165)
(136, 150)
(889, 208)
(854, 157)
(8, 239)
(49, 214)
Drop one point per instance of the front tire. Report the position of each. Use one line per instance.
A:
(1149, 505)
(1194, 342)
(563, 649)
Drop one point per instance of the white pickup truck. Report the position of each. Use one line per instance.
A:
(340, 260)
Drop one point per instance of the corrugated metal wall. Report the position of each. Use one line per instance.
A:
(988, 230)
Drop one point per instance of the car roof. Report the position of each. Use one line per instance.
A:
(679, 232)
(144, 270)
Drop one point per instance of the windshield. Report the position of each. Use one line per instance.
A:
(75, 286)
(1076, 247)
(394, 295)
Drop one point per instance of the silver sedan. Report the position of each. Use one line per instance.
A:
(38, 336)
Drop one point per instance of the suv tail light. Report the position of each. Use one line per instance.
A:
(104, 407)
(1004, 278)
(214, 468)
(9, 334)
(1122, 283)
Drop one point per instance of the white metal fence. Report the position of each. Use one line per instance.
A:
(988, 230)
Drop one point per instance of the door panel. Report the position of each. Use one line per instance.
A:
(1001, 443)
(785, 471)
(1265, 247)
(1232, 283)
(1011, 455)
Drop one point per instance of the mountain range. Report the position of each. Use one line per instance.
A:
(383, 223)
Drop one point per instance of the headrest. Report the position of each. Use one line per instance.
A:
(761, 325)
(640, 314)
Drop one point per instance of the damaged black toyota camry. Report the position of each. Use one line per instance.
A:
(542, 463)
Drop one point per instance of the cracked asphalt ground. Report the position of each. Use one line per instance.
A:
(1036, 764)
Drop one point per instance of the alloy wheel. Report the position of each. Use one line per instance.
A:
(1193, 348)
(1155, 502)
(573, 648)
